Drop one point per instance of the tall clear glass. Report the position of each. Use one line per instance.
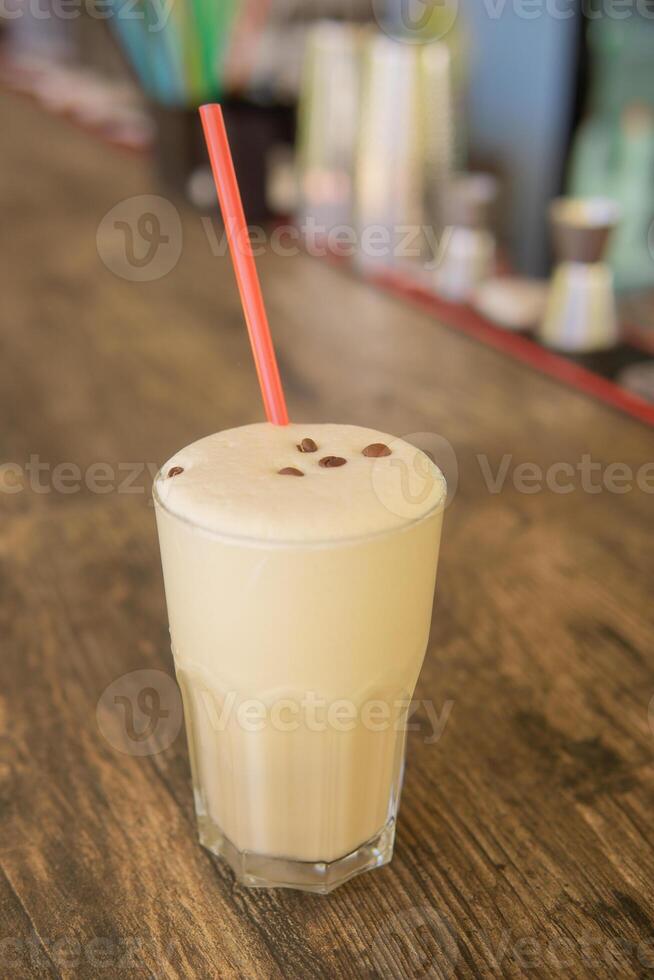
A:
(297, 663)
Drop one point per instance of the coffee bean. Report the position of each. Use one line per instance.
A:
(376, 449)
(307, 446)
(330, 461)
(290, 471)
(175, 470)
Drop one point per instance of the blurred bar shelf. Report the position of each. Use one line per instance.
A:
(592, 374)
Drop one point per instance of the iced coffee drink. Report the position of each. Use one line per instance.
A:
(299, 565)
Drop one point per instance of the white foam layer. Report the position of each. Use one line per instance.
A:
(230, 483)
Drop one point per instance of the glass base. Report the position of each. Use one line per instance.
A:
(321, 877)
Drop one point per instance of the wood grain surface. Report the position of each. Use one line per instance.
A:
(525, 834)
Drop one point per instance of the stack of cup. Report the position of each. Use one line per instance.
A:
(328, 124)
(439, 124)
(389, 185)
(406, 145)
(376, 140)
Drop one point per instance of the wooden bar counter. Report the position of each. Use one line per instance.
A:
(525, 841)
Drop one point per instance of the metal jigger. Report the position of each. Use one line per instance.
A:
(467, 250)
(581, 311)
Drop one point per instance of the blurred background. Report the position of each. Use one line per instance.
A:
(437, 133)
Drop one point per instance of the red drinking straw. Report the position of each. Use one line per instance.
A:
(231, 206)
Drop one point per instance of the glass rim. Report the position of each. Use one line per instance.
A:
(320, 543)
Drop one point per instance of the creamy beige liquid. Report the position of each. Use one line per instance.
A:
(299, 613)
